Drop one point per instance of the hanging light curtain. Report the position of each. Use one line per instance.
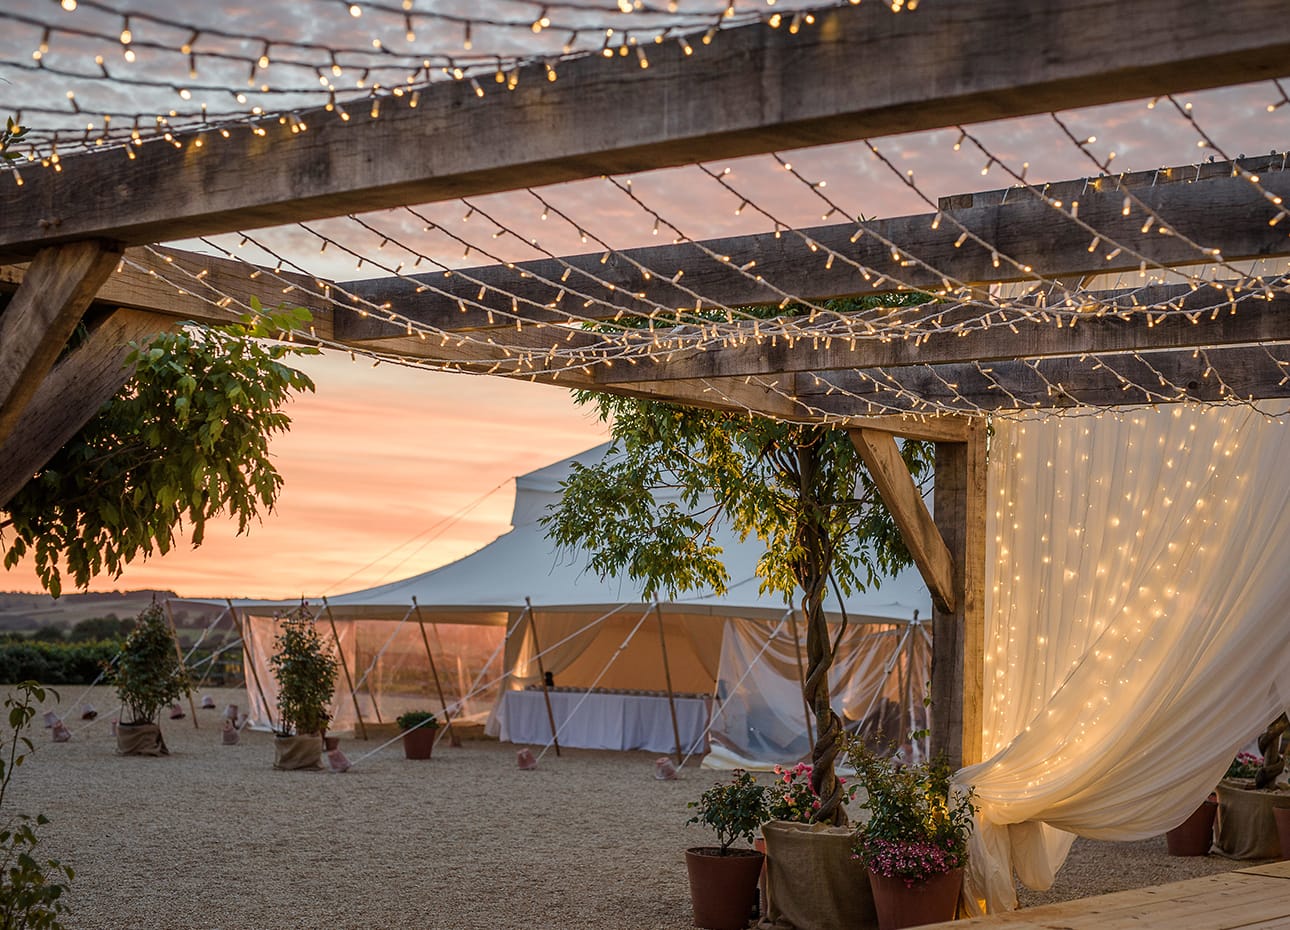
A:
(1137, 630)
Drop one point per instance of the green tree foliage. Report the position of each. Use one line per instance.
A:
(801, 489)
(148, 674)
(97, 629)
(55, 663)
(186, 440)
(306, 673)
(31, 889)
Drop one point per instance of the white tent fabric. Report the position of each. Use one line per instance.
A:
(1136, 626)
(487, 593)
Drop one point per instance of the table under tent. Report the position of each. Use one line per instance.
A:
(485, 630)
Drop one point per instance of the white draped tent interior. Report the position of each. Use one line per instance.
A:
(733, 661)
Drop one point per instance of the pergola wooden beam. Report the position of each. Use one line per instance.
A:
(761, 89)
(1205, 204)
(186, 285)
(1205, 317)
(41, 317)
(905, 503)
(1241, 372)
(73, 392)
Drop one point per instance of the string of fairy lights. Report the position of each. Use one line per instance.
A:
(87, 61)
(555, 317)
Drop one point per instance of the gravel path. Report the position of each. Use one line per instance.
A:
(212, 838)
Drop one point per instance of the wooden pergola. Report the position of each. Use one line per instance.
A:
(77, 244)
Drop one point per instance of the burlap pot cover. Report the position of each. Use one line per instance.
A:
(297, 752)
(140, 739)
(1246, 828)
(812, 883)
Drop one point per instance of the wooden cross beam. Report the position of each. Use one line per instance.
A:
(42, 316)
(1203, 204)
(762, 89)
(73, 392)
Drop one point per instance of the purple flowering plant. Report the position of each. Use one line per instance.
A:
(919, 823)
(791, 796)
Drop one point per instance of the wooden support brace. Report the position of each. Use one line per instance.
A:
(546, 695)
(905, 503)
(344, 667)
(42, 316)
(667, 676)
(248, 657)
(69, 397)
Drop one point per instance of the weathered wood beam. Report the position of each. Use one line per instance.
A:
(958, 635)
(189, 286)
(905, 503)
(1217, 210)
(72, 393)
(1205, 317)
(41, 317)
(1243, 372)
(761, 89)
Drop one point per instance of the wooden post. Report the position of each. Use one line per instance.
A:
(801, 675)
(349, 682)
(958, 634)
(250, 660)
(546, 695)
(434, 671)
(667, 677)
(174, 634)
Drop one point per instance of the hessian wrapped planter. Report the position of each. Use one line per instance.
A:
(812, 882)
(140, 739)
(297, 752)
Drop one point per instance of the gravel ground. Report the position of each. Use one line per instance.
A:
(213, 838)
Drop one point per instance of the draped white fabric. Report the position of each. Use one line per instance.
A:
(1137, 635)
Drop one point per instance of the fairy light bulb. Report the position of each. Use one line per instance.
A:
(355, 10)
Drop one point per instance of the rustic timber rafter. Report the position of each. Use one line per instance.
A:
(77, 387)
(762, 89)
(1205, 204)
(41, 317)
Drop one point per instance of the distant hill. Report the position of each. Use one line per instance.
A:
(32, 611)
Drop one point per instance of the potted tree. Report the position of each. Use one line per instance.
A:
(148, 677)
(306, 672)
(723, 879)
(915, 842)
(420, 727)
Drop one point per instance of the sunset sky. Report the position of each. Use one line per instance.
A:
(380, 460)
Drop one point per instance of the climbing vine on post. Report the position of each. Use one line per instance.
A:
(801, 489)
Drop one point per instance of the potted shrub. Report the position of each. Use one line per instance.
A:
(306, 672)
(915, 842)
(148, 677)
(420, 727)
(723, 878)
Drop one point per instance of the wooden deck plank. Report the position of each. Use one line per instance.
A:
(1248, 899)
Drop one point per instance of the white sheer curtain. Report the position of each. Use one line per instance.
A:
(1137, 628)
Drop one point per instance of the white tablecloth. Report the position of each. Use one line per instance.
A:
(601, 721)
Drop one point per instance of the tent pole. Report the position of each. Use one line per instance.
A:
(174, 631)
(667, 676)
(362, 727)
(250, 659)
(434, 671)
(801, 675)
(546, 695)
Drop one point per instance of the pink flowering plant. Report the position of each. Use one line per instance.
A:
(792, 797)
(734, 810)
(1245, 765)
(919, 823)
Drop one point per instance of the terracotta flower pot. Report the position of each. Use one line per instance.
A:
(927, 902)
(418, 743)
(723, 889)
(1195, 835)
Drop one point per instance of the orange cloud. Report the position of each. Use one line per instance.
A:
(388, 472)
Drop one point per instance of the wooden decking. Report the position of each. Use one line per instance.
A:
(1256, 898)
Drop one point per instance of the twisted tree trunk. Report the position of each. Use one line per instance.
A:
(812, 570)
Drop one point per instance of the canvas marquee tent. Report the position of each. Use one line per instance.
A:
(494, 621)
